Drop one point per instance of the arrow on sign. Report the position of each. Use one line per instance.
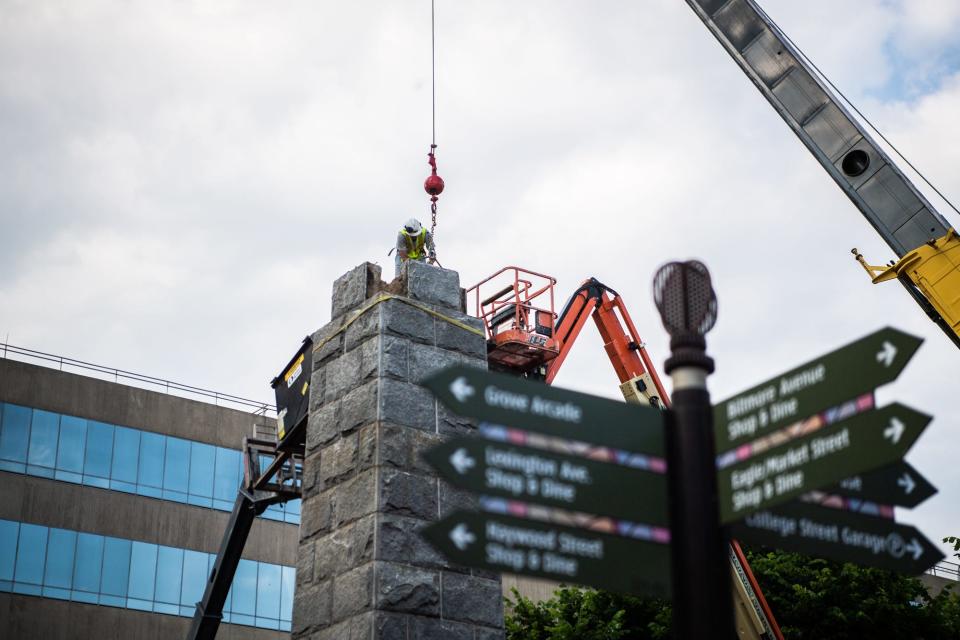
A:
(886, 354)
(915, 548)
(461, 461)
(534, 406)
(553, 479)
(565, 554)
(462, 537)
(896, 484)
(816, 386)
(826, 456)
(894, 431)
(461, 390)
(840, 535)
(907, 483)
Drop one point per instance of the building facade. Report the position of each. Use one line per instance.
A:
(114, 503)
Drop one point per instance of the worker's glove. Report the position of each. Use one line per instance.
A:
(432, 256)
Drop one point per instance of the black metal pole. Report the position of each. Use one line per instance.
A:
(702, 592)
(702, 596)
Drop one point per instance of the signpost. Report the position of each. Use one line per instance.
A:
(497, 542)
(861, 443)
(565, 554)
(818, 385)
(552, 479)
(534, 406)
(841, 535)
(897, 484)
(859, 455)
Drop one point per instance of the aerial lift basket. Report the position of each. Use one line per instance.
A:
(518, 317)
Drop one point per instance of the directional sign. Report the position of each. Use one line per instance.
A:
(818, 385)
(534, 406)
(840, 535)
(896, 484)
(552, 479)
(565, 554)
(864, 442)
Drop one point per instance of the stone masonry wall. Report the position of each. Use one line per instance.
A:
(363, 572)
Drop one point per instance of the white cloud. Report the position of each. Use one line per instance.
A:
(181, 184)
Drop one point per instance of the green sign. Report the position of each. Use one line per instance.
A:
(534, 406)
(553, 479)
(839, 535)
(818, 385)
(565, 554)
(826, 456)
(897, 484)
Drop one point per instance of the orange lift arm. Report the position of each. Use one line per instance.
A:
(639, 381)
(640, 384)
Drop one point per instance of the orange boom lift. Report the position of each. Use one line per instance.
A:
(526, 337)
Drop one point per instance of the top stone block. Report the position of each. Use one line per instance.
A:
(418, 281)
(354, 287)
(431, 284)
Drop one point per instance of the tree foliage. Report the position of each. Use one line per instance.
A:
(811, 599)
(955, 541)
(586, 614)
(817, 599)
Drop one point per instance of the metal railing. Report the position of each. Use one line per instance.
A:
(12, 352)
(945, 569)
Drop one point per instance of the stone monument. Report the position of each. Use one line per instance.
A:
(363, 572)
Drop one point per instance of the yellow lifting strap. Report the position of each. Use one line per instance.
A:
(383, 297)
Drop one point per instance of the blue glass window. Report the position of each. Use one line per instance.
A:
(268, 595)
(292, 511)
(227, 478)
(169, 574)
(86, 568)
(176, 470)
(96, 460)
(143, 576)
(14, 437)
(203, 460)
(31, 552)
(73, 436)
(8, 552)
(78, 450)
(126, 454)
(150, 477)
(44, 432)
(60, 563)
(116, 572)
(58, 573)
(244, 605)
(194, 581)
(287, 586)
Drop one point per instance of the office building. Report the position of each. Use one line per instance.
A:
(115, 499)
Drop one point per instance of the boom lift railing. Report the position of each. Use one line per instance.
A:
(517, 309)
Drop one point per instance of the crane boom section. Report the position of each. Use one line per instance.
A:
(887, 199)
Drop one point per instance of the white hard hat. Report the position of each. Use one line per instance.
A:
(412, 226)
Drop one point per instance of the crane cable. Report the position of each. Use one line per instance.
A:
(433, 185)
(803, 55)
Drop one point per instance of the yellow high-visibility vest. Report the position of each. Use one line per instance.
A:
(415, 243)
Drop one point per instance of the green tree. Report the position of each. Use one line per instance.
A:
(811, 599)
(955, 541)
(586, 614)
(819, 599)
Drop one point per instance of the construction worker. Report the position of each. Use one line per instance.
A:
(414, 243)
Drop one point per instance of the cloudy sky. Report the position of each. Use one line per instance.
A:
(181, 182)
